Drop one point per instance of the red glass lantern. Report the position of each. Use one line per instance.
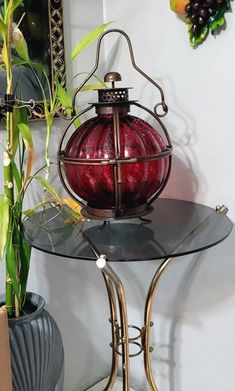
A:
(116, 164)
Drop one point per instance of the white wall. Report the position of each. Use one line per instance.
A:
(194, 310)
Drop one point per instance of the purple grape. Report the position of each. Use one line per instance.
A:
(201, 21)
(209, 3)
(195, 30)
(194, 18)
(211, 11)
(188, 8)
(203, 13)
(196, 6)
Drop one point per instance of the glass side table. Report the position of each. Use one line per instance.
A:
(174, 228)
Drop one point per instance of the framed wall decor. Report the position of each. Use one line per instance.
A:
(41, 23)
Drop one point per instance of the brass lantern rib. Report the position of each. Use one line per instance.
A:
(121, 160)
(114, 328)
(124, 324)
(60, 155)
(117, 169)
(148, 323)
(109, 273)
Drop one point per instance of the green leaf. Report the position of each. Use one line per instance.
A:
(216, 24)
(4, 219)
(23, 115)
(20, 44)
(16, 4)
(87, 40)
(64, 98)
(89, 87)
(25, 253)
(28, 142)
(195, 41)
(16, 175)
(66, 102)
(49, 187)
(77, 123)
(11, 7)
(11, 262)
(16, 120)
(3, 28)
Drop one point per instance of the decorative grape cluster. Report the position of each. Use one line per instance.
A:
(205, 15)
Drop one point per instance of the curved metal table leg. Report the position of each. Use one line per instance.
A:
(124, 338)
(114, 328)
(148, 324)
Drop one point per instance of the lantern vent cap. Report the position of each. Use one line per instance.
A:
(112, 77)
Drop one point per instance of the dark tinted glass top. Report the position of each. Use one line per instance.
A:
(174, 228)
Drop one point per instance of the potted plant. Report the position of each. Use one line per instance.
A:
(36, 346)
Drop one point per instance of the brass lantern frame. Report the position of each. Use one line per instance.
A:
(118, 161)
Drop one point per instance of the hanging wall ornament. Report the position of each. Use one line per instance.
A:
(202, 17)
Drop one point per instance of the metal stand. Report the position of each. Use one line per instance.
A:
(120, 335)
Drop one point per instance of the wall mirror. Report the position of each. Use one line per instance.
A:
(42, 27)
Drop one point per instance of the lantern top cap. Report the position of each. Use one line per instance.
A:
(112, 77)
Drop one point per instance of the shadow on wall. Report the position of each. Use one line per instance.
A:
(192, 289)
(206, 285)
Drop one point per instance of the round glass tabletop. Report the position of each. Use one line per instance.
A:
(172, 229)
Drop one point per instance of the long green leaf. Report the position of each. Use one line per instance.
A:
(16, 120)
(16, 175)
(11, 7)
(8, 10)
(20, 44)
(87, 40)
(89, 87)
(4, 219)
(17, 3)
(3, 28)
(11, 265)
(25, 253)
(66, 102)
(28, 142)
(64, 98)
(49, 187)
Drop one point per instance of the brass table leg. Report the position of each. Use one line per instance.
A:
(120, 334)
(109, 273)
(114, 328)
(148, 324)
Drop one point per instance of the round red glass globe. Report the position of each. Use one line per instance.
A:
(95, 184)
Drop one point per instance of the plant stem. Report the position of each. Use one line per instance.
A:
(8, 175)
(9, 298)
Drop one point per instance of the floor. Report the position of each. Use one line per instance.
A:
(100, 386)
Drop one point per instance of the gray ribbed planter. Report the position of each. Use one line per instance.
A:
(37, 354)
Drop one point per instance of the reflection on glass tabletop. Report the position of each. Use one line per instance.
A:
(173, 228)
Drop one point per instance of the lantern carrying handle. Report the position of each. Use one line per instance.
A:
(162, 103)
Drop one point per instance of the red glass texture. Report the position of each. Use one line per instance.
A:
(95, 140)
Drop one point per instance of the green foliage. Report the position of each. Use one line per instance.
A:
(87, 40)
(20, 45)
(4, 218)
(28, 142)
(46, 184)
(3, 27)
(19, 154)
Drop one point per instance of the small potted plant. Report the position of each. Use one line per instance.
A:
(35, 339)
